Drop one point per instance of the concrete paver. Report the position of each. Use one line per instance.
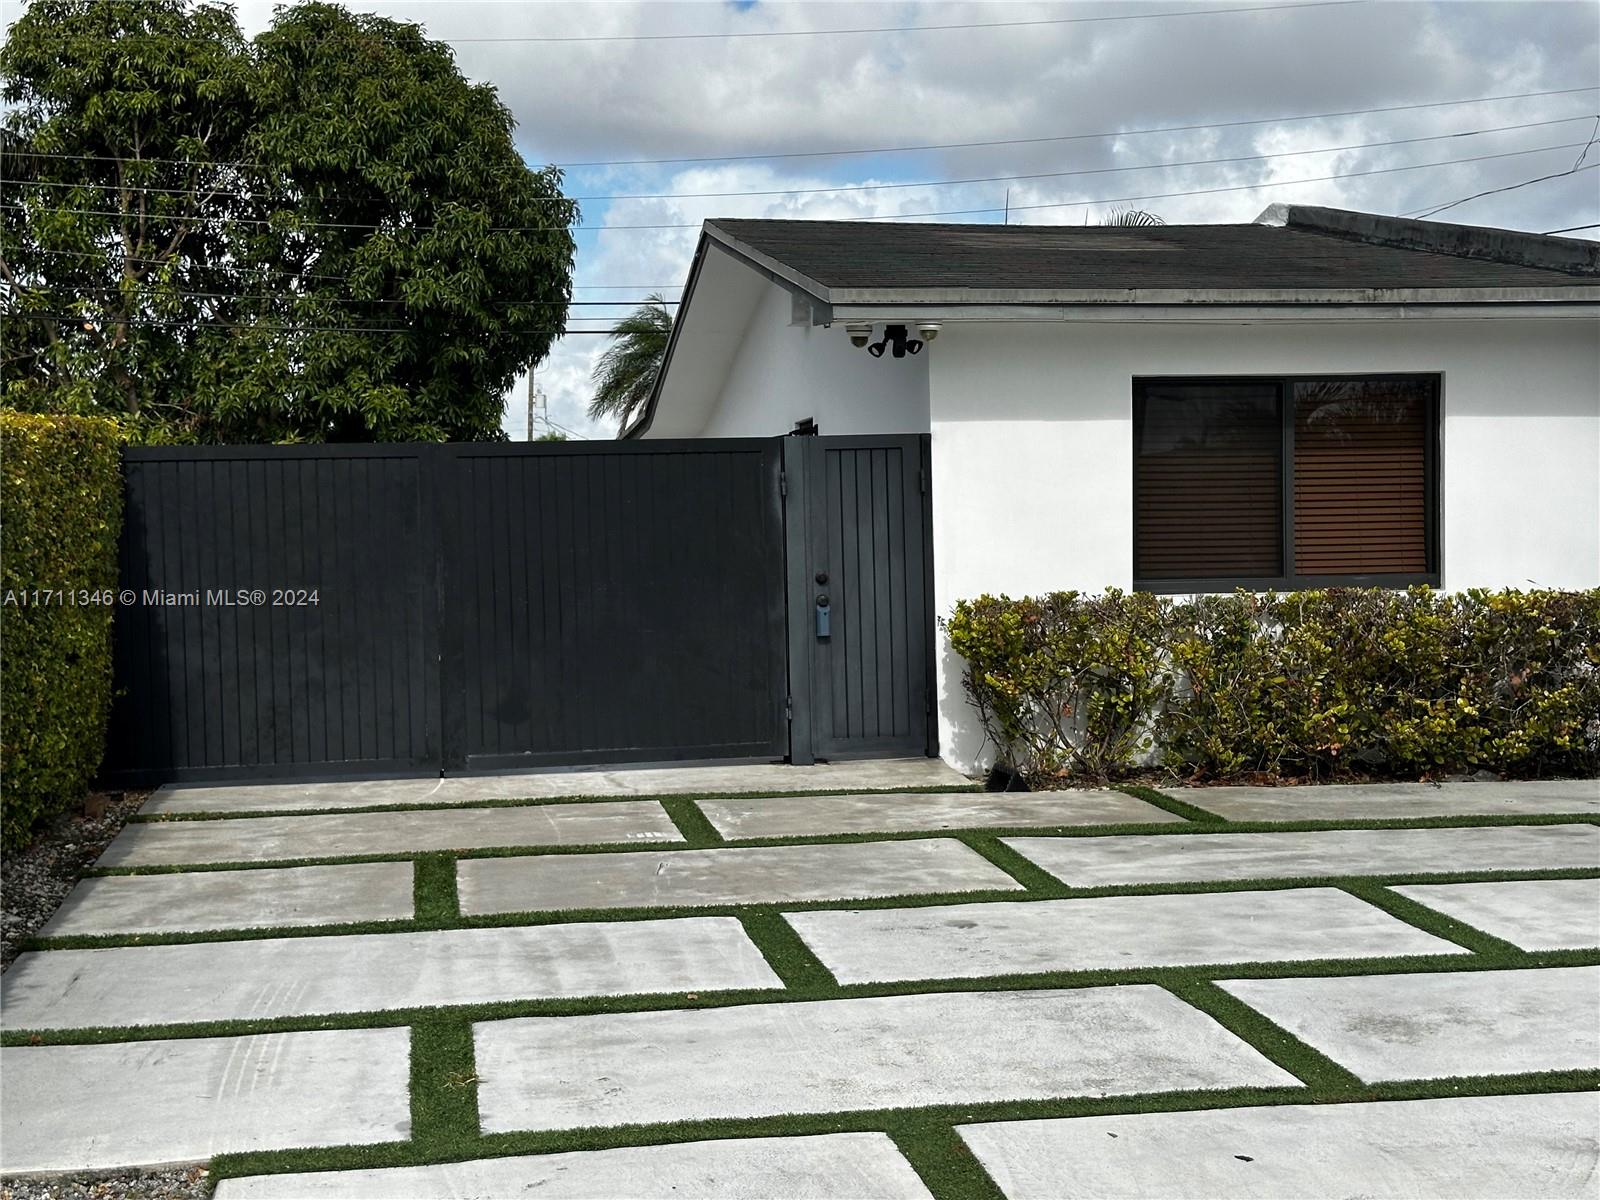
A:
(1167, 858)
(1388, 801)
(972, 940)
(838, 1055)
(603, 781)
(328, 835)
(1465, 1148)
(737, 875)
(863, 1166)
(283, 977)
(1425, 1026)
(1532, 914)
(147, 1104)
(212, 900)
(802, 816)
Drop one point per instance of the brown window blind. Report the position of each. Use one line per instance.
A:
(1360, 477)
(1207, 481)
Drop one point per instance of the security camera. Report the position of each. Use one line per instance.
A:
(928, 330)
(860, 334)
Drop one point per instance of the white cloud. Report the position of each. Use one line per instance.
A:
(588, 101)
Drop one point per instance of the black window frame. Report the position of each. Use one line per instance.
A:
(1291, 580)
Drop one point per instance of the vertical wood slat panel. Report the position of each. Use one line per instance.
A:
(872, 672)
(215, 685)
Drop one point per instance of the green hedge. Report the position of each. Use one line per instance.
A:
(1318, 685)
(60, 518)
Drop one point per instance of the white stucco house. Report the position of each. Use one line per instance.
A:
(1318, 397)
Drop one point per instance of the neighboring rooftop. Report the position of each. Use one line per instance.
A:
(1288, 247)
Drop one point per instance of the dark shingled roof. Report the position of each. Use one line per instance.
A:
(907, 255)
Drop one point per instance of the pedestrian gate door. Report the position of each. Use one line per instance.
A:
(333, 609)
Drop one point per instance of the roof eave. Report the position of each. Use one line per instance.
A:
(841, 298)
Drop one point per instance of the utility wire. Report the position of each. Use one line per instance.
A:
(1071, 137)
(1424, 214)
(92, 320)
(786, 33)
(928, 183)
(959, 212)
(116, 252)
(907, 149)
(1569, 229)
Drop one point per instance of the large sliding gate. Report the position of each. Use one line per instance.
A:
(335, 609)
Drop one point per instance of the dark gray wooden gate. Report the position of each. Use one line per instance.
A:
(861, 591)
(303, 611)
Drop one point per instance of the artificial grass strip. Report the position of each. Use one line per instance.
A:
(1310, 1065)
(698, 832)
(436, 902)
(1161, 829)
(944, 1162)
(892, 1121)
(809, 985)
(1171, 804)
(1432, 921)
(444, 1084)
(1038, 882)
(538, 801)
(1039, 885)
(787, 954)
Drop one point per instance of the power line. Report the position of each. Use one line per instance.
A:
(960, 212)
(781, 33)
(908, 149)
(1424, 214)
(115, 251)
(117, 319)
(1569, 229)
(934, 183)
(1070, 137)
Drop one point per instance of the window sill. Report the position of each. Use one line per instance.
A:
(1298, 583)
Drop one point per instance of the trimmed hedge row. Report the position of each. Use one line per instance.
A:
(1308, 685)
(60, 518)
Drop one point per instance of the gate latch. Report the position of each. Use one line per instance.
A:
(822, 616)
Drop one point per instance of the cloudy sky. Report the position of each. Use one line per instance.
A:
(1075, 105)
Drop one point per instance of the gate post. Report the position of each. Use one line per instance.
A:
(797, 580)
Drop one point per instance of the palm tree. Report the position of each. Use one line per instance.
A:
(1128, 218)
(625, 373)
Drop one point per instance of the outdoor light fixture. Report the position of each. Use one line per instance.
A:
(860, 334)
(895, 339)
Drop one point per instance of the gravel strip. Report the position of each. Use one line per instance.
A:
(178, 1183)
(34, 882)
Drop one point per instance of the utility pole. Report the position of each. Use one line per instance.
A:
(531, 400)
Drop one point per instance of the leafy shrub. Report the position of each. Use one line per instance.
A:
(1308, 685)
(60, 518)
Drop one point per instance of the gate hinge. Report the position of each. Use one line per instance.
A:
(788, 708)
(783, 483)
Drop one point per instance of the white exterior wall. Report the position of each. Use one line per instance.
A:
(783, 373)
(1033, 449)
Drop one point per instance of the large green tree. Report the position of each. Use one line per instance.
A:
(324, 234)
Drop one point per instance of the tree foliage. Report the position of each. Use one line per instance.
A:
(323, 234)
(625, 373)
